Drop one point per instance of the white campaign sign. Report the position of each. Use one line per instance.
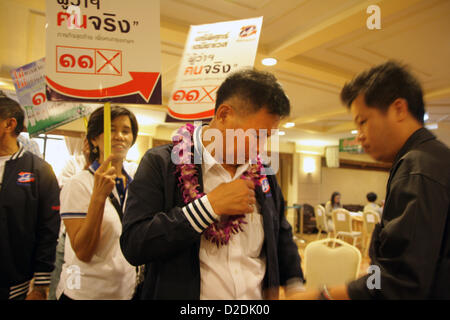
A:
(212, 52)
(103, 50)
(41, 115)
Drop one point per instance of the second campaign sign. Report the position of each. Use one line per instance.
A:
(212, 52)
(103, 50)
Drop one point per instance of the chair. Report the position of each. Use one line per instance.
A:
(343, 225)
(321, 220)
(370, 219)
(330, 262)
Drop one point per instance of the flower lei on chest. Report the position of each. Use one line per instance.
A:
(219, 232)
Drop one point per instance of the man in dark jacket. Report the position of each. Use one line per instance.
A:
(410, 248)
(29, 212)
(214, 229)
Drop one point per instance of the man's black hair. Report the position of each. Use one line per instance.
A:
(258, 89)
(382, 84)
(11, 109)
(371, 197)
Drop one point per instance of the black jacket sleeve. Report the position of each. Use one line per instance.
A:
(153, 227)
(288, 256)
(407, 248)
(48, 224)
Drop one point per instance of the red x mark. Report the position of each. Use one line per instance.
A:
(208, 94)
(108, 61)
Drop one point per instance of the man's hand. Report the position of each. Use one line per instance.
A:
(38, 293)
(233, 198)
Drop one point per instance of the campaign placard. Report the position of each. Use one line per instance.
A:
(212, 52)
(42, 115)
(103, 50)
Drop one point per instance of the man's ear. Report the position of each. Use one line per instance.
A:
(223, 113)
(11, 125)
(401, 110)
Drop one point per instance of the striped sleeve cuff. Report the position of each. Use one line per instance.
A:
(200, 214)
(19, 289)
(42, 278)
(73, 215)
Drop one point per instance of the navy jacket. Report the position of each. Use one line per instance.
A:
(29, 223)
(411, 245)
(156, 232)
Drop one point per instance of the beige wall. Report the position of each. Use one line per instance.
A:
(309, 184)
(353, 184)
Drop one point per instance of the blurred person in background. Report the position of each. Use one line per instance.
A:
(332, 204)
(371, 205)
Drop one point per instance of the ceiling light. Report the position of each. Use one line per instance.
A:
(269, 61)
(309, 165)
(354, 131)
(281, 133)
(289, 124)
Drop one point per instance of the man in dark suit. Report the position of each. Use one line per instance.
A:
(216, 228)
(410, 248)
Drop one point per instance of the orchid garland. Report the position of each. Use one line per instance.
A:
(219, 232)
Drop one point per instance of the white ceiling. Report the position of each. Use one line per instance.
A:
(319, 45)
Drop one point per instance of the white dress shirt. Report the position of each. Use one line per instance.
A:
(236, 270)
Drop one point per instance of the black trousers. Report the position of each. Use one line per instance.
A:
(64, 298)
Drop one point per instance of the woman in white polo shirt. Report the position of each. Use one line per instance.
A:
(91, 206)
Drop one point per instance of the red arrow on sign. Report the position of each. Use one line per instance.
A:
(143, 82)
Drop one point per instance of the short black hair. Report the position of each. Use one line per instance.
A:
(384, 83)
(11, 109)
(260, 89)
(371, 197)
(95, 126)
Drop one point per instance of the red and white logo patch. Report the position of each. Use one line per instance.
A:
(25, 177)
(265, 186)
